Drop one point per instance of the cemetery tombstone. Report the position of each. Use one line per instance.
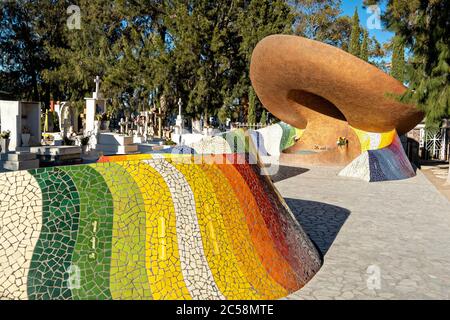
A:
(23, 120)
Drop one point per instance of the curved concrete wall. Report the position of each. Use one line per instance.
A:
(150, 227)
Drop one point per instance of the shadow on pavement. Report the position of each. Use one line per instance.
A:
(321, 221)
(286, 172)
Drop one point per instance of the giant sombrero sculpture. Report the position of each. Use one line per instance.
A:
(331, 94)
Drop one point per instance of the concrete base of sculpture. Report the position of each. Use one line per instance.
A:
(319, 147)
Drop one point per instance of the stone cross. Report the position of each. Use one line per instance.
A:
(179, 121)
(122, 126)
(126, 125)
(97, 84)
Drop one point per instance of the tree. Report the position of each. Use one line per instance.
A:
(210, 49)
(197, 50)
(340, 32)
(355, 36)
(25, 29)
(251, 117)
(321, 20)
(398, 59)
(364, 53)
(316, 19)
(222, 115)
(423, 28)
(113, 40)
(256, 20)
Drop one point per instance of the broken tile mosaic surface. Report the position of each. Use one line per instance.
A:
(150, 227)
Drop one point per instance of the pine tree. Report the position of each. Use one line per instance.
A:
(355, 43)
(251, 117)
(317, 19)
(222, 115)
(256, 20)
(113, 43)
(364, 53)
(423, 27)
(263, 120)
(398, 59)
(26, 27)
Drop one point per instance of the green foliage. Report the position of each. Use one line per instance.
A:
(151, 51)
(26, 27)
(169, 143)
(263, 120)
(423, 28)
(398, 59)
(222, 115)
(251, 117)
(322, 20)
(364, 53)
(5, 134)
(256, 20)
(355, 36)
(317, 19)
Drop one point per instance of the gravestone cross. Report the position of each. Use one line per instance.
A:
(122, 126)
(97, 85)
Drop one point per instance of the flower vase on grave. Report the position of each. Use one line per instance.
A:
(4, 144)
(4, 141)
(26, 135)
(26, 139)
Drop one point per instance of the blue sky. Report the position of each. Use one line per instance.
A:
(348, 8)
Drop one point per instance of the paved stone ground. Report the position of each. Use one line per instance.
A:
(399, 228)
(437, 174)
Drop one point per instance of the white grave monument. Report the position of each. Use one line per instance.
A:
(95, 105)
(179, 122)
(179, 131)
(20, 118)
(104, 141)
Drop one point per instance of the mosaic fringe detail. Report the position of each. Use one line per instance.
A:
(390, 163)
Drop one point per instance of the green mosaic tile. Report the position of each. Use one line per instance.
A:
(49, 275)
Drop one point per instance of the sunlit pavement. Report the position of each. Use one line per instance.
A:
(385, 240)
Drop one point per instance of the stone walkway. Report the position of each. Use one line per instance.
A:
(437, 174)
(388, 240)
